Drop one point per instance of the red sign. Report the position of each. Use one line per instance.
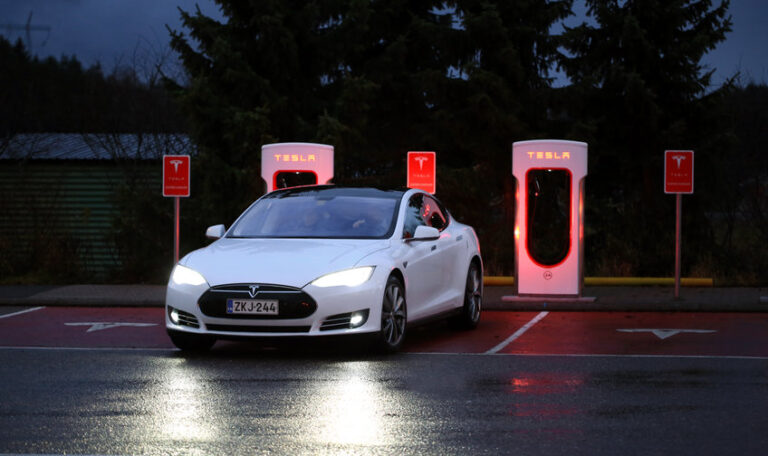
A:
(176, 175)
(422, 171)
(678, 171)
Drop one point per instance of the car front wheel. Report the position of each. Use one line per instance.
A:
(393, 317)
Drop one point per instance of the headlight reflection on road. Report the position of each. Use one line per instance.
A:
(351, 410)
(180, 411)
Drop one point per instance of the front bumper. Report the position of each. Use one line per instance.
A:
(336, 310)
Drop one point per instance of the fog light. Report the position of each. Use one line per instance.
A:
(175, 316)
(356, 320)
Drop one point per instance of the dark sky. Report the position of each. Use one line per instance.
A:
(114, 31)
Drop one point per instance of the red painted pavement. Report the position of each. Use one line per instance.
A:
(733, 334)
(63, 327)
(493, 329)
(581, 333)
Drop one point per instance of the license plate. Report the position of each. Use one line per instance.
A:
(252, 306)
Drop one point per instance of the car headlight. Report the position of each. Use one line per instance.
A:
(347, 278)
(182, 275)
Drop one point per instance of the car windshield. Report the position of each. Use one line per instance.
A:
(328, 213)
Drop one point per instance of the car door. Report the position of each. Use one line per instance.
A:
(447, 253)
(421, 262)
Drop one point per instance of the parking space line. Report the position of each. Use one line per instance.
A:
(637, 356)
(518, 333)
(592, 355)
(21, 312)
(99, 349)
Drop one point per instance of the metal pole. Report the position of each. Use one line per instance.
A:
(678, 210)
(176, 231)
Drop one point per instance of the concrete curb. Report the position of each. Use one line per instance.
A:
(607, 298)
(88, 296)
(638, 299)
(599, 306)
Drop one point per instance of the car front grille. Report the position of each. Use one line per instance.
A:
(293, 302)
(259, 329)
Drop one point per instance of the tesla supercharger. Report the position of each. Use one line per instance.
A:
(293, 164)
(549, 220)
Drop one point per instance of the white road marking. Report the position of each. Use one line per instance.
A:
(21, 312)
(100, 326)
(36, 454)
(518, 333)
(667, 333)
(99, 349)
(529, 355)
(592, 355)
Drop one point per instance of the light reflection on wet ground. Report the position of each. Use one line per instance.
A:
(336, 398)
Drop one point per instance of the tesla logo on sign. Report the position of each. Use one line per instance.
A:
(422, 171)
(678, 171)
(176, 175)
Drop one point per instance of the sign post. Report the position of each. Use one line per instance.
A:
(678, 179)
(176, 184)
(422, 171)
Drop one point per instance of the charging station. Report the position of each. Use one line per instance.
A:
(549, 219)
(286, 165)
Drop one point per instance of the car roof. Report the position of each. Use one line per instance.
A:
(332, 191)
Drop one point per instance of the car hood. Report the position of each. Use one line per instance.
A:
(291, 262)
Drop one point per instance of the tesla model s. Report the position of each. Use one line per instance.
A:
(326, 260)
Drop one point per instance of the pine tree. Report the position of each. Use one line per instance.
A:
(638, 86)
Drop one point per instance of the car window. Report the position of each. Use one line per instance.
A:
(318, 216)
(433, 214)
(423, 210)
(413, 218)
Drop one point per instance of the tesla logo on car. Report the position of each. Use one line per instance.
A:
(253, 290)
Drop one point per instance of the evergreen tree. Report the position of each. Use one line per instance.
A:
(374, 79)
(268, 74)
(638, 89)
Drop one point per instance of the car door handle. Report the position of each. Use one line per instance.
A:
(434, 247)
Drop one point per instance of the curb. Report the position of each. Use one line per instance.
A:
(507, 281)
(598, 306)
(606, 298)
(84, 301)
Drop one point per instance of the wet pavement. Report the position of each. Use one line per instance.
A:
(245, 402)
(105, 379)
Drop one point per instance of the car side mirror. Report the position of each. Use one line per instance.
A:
(424, 233)
(215, 232)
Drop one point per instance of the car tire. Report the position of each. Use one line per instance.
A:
(394, 318)
(191, 342)
(469, 316)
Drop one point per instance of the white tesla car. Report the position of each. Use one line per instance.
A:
(326, 260)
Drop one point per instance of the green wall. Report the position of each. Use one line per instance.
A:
(62, 211)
